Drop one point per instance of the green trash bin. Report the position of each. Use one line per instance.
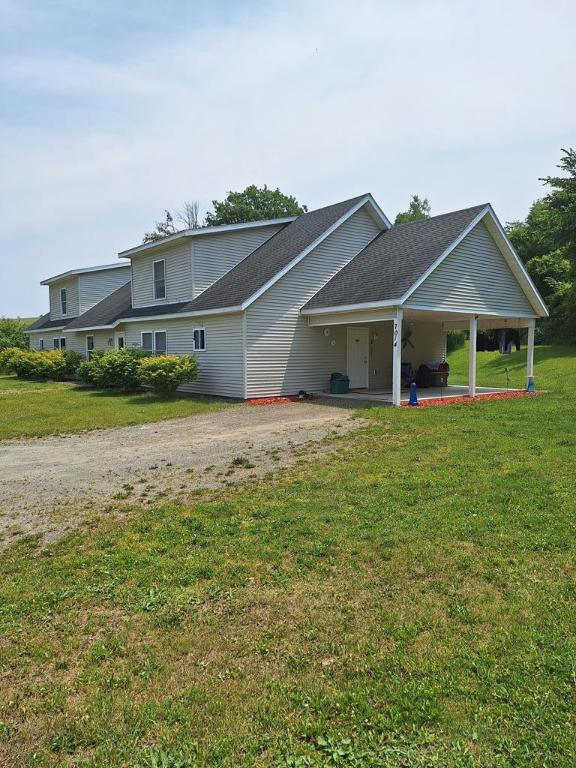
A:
(339, 384)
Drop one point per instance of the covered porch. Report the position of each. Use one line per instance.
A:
(380, 343)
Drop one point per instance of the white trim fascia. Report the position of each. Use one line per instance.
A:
(85, 271)
(149, 318)
(445, 253)
(45, 330)
(362, 202)
(350, 307)
(518, 262)
(380, 213)
(468, 312)
(202, 232)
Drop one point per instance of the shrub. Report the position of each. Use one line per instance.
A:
(112, 368)
(32, 364)
(165, 373)
(8, 358)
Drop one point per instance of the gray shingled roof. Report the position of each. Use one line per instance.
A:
(390, 265)
(106, 312)
(44, 323)
(237, 285)
(247, 277)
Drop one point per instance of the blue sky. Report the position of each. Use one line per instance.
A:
(110, 112)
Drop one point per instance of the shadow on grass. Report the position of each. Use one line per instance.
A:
(150, 398)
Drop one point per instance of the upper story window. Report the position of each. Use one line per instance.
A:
(160, 279)
(63, 301)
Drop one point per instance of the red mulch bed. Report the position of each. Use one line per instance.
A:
(283, 399)
(436, 401)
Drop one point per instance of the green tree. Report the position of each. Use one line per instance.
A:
(418, 209)
(253, 204)
(546, 242)
(12, 333)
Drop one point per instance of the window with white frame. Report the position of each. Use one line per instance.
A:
(59, 342)
(63, 301)
(40, 343)
(199, 339)
(160, 279)
(155, 342)
(160, 342)
(89, 347)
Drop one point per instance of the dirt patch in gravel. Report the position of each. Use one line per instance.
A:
(49, 485)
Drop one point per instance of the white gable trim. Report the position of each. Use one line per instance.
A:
(536, 300)
(507, 252)
(366, 200)
(446, 253)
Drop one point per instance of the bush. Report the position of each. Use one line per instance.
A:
(112, 368)
(165, 373)
(32, 364)
(8, 358)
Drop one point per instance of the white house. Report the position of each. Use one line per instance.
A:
(275, 307)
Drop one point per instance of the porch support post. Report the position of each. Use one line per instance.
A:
(472, 356)
(530, 357)
(397, 358)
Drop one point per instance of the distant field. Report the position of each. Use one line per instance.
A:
(407, 601)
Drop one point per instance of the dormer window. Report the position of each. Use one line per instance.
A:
(160, 279)
(63, 301)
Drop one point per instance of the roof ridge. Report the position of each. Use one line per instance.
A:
(441, 215)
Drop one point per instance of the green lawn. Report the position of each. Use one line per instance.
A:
(409, 602)
(32, 409)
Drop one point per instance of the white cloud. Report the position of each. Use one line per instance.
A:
(325, 99)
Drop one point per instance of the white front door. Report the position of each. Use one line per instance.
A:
(357, 356)
(120, 341)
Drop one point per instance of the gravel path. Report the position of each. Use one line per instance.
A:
(48, 485)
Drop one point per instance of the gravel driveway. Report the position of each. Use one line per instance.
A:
(48, 485)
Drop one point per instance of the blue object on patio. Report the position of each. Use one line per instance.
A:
(531, 386)
(413, 394)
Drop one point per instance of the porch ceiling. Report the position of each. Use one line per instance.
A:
(449, 320)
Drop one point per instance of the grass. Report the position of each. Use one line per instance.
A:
(33, 409)
(407, 602)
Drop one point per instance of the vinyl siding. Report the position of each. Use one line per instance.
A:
(178, 275)
(95, 286)
(475, 277)
(221, 365)
(214, 255)
(284, 354)
(72, 299)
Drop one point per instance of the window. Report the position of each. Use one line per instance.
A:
(89, 347)
(63, 300)
(160, 279)
(160, 342)
(154, 341)
(40, 343)
(147, 342)
(59, 342)
(199, 340)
